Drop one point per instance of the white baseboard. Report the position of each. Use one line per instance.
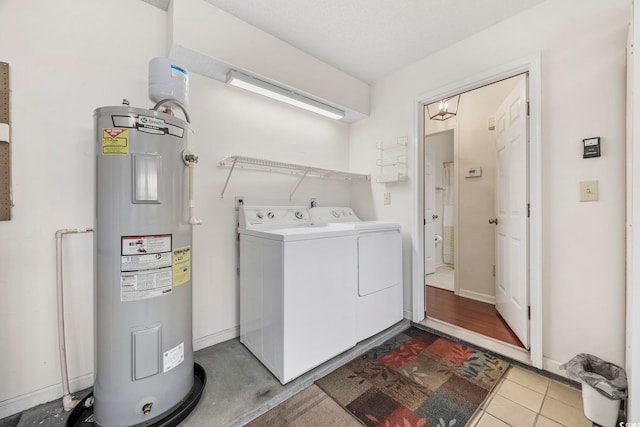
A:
(477, 296)
(217, 338)
(29, 400)
(553, 366)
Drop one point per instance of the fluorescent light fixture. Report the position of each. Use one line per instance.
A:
(262, 87)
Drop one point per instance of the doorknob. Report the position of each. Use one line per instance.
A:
(434, 216)
(493, 221)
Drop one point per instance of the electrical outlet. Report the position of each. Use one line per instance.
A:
(313, 203)
(387, 198)
(239, 202)
(589, 191)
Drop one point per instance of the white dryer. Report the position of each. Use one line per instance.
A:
(379, 281)
(297, 289)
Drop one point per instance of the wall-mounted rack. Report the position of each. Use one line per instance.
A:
(392, 160)
(6, 198)
(289, 168)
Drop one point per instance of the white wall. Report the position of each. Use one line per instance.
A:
(66, 59)
(582, 54)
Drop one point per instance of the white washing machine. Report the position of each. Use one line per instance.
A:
(379, 259)
(297, 289)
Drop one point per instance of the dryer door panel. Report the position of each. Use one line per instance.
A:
(379, 261)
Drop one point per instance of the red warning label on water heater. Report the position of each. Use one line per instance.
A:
(115, 141)
(146, 267)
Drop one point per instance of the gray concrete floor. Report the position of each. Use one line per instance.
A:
(239, 388)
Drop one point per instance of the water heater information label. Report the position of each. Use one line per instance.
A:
(138, 245)
(146, 267)
(173, 357)
(181, 265)
(145, 284)
(146, 262)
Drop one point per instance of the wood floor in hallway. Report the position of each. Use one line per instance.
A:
(469, 314)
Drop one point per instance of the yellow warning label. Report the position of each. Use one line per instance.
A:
(181, 265)
(115, 141)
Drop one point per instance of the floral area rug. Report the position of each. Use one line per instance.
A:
(416, 379)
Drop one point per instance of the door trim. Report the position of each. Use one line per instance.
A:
(531, 65)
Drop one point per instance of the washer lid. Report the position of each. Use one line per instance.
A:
(369, 225)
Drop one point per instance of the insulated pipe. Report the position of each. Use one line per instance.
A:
(190, 160)
(67, 401)
(174, 102)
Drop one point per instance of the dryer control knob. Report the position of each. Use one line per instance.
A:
(335, 214)
(259, 215)
(270, 215)
(299, 215)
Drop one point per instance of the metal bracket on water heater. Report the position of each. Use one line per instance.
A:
(188, 158)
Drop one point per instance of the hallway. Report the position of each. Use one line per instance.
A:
(469, 314)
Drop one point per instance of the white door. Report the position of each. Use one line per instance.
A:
(429, 211)
(511, 221)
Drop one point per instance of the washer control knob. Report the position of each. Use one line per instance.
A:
(299, 215)
(259, 215)
(270, 215)
(335, 214)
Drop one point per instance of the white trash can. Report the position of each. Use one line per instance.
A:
(598, 408)
(604, 385)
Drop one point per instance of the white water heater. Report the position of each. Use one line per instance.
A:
(143, 352)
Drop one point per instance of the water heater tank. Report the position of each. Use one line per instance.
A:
(143, 352)
(167, 80)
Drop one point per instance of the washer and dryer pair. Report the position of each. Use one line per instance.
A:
(313, 283)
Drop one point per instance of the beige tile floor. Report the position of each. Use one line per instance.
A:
(525, 399)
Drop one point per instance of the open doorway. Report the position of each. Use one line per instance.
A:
(486, 254)
(464, 189)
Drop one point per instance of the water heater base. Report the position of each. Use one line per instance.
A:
(82, 416)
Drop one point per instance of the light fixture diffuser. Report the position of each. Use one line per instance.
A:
(253, 84)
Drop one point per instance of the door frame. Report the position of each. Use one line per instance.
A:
(530, 65)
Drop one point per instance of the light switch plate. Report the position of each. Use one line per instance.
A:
(589, 191)
(387, 198)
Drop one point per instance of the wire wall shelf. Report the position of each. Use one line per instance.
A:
(392, 160)
(242, 162)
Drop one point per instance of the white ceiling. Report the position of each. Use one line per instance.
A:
(369, 39)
